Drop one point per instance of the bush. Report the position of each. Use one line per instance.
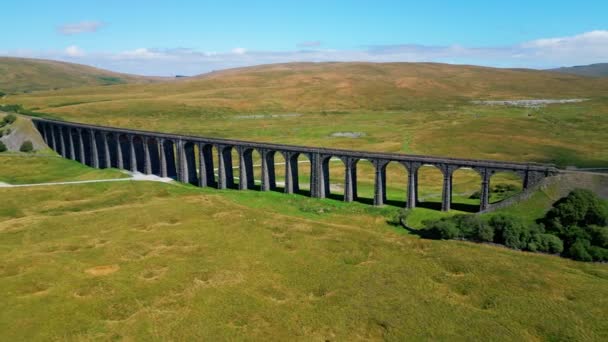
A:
(580, 208)
(444, 229)
(510, 231)
(26, 146)
(2, 147)
(598, 253)
(599, 236)
(579, 251)
(9, 119)
(547, 243)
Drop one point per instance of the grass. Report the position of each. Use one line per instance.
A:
(21, 75)
(151, 261)
(44, 169)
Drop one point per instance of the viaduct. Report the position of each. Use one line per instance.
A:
(190, 159)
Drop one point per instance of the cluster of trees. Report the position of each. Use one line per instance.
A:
(576, 227)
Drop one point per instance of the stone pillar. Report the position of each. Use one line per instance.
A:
(412, 184)
(71, 144)
(64, 151)
(182, 172)
(268, 174)
(206, 171)
(94, 154)
(446, 193)
(132, 155)
(45, 133)
(485, 189)
(119, 161)
(291, 172)
(53, 141)
(163, 157)
(154, 157)
(190, 163)
(350, 179)
(170, 149)
(83, 159)
(147, 160)
(106, 150)
(246, 180)
(225, 175)
(379, 182)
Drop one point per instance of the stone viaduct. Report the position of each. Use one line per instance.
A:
(190, 159)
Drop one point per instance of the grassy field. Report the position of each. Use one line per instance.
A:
(20, 169)
(396, 107)
(119, 261)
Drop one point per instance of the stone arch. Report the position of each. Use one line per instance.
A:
(364, 179)
(99, 145)
(168, 165)
(153, 151)
(111, 139)
(138, 149)
(246, 167)
(465, 189)
(430, 186)
(301, 172)
(505, 184)
(225, 175)
(396, 181)
(85, 134)
(333, 176)
(189, 165)
(206, 170)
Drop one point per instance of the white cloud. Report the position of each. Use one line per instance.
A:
(585, 48)
(74, 51)
(81, 27)
(141, 53)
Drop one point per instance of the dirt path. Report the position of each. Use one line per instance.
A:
(134, 177)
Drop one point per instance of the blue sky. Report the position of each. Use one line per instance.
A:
(190, 37)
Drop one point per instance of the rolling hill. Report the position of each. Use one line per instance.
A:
(421, 108)
(591, 70)
(19, 75)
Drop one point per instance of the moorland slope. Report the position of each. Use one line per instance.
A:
(19, 75)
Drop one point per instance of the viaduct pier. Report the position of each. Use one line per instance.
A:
(190, 159)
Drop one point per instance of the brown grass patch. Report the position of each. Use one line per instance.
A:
(102, 270)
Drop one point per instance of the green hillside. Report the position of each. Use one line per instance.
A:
(154, 261)
(18, 75)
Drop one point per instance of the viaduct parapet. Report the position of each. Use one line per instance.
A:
(190, 159)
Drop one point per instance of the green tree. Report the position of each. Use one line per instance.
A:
(2, 147)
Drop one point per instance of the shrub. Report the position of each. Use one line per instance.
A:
(485, 233)
(599, 236)
(9, 119)
(578, 251)
(26, 146)
(510, 231)
(401, 215)
(580, 208)
(2, 147)
(444, 228)
(2, 94)
(598, 253)
(547, 243)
